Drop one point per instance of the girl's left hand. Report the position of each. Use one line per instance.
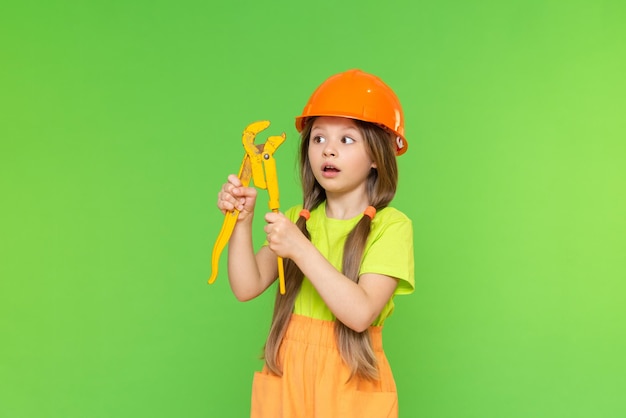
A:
(283, 236)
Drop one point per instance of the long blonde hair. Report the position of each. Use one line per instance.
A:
(355, 347)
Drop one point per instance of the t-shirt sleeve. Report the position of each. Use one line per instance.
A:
(390, 252)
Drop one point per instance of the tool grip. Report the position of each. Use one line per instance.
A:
(281, 270)
(230, 219)
(281, 276)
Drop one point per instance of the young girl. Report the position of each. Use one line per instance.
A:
(346, 254)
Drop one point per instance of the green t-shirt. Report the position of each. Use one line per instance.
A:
(388, 251)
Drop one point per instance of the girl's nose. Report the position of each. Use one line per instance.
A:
(329, 151)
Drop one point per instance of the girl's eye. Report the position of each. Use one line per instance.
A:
(317, 139)
(347, 140)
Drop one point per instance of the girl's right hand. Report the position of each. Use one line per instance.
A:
(234, 196)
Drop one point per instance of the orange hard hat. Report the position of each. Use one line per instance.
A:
(358, 95)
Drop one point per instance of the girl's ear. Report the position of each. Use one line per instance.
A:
(374, 165)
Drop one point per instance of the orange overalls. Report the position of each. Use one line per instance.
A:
(315, 379)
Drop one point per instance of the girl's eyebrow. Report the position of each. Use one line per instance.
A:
(349, 129)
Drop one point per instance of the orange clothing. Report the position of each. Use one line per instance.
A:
(315, 379)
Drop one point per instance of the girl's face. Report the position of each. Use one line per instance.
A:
(339, 156)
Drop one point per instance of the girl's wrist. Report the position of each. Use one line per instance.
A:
(246, 222)
(300, 252)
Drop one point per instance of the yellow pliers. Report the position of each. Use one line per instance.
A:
(259, 165)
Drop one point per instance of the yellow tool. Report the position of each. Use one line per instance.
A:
(258, 164)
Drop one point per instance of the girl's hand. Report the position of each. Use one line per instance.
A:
(234, 196)
(283, 236)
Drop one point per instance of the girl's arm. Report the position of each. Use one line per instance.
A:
(249, 274)
(357, 305)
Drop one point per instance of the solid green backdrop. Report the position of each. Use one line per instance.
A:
(119, 121)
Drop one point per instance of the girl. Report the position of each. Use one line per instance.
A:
(346, 253)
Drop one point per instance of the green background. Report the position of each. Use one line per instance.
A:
(119, 121)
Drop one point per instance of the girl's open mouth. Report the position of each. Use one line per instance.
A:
(329, 170)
